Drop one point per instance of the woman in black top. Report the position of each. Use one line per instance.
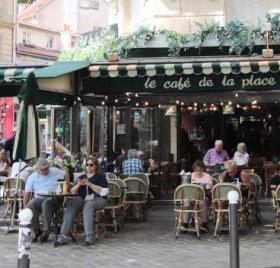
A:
(231, 174)
(92, 189)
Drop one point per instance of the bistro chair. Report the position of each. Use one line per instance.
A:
(269, 171)
(188, 193)
(111, 176)
(216, 178)
(276, 206)
(10, 191)
(99, 223)
(136, 196)
(257, 183)
(145, 178)
(114, 202)
(220, 203)
(120, 212)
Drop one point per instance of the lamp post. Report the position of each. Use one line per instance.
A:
(25, 217)
(233, 197)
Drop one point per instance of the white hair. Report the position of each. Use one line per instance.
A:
(140, 153)
(131, 153)
(242, 145)
(218, 142)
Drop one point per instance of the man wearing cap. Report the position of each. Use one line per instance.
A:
(42, 181)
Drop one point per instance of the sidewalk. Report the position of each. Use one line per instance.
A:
(152, 244)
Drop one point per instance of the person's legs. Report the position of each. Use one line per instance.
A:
(36, 207)
(89, 209)
(204, 208)
(187, 215)
(72, 209)
(48, 207)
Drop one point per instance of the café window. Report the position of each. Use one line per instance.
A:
(62, 131)
(93, 4)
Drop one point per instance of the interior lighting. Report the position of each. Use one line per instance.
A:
(103, 102)
(195, 104)
(159, 106)
(137, 104)
(230, 103)
(182, 103)
(136, 95)
(128, 99)
(204, 105)
(254, 102)
(237, 106)
(116, 100)
(146, 103)
(177, 101)
(222, 103)
(236, 95)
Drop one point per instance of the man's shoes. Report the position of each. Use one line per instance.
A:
(184, 227)
(35, 235)
(204, 227)
(62, 240)
(44, 237)
(88, 240)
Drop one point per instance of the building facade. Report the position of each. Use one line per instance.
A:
(183, 15)
(7, 30)
(42, 38)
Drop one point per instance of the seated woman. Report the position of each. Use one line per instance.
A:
(202, 178)
(92, 189)
(4, 165)
(241, 157)
(231, 174)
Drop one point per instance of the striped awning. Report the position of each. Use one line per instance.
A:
(9, 74)
(189, 68)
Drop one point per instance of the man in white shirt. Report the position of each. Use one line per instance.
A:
(42, 181)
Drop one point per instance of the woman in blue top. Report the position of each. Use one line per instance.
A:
(92, 189)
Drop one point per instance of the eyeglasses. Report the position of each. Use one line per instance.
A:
(89, 165)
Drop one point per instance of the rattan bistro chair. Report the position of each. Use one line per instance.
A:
(111, 176)
(220, 203)
(136, 196)
(188, 193)
(257, 183)
(120, 212)
(10, 190)
(276, 206)
(114, 202)
(145, 178)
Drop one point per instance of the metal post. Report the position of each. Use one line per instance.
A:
(25, 217)
(233, 197)
(16, 196)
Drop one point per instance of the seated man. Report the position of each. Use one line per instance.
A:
(132, 165)
(216, 155)
(42, 181)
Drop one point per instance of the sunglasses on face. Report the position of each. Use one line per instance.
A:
(89, 165)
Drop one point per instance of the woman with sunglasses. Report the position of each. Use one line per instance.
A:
(92, 189)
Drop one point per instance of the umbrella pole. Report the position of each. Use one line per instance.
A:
(15, 197)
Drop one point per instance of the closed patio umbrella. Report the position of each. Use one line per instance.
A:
(27, 140)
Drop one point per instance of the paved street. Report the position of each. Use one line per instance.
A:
(152, 244)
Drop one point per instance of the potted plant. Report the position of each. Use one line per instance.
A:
(112, 55)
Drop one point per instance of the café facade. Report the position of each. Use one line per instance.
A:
(173, 108)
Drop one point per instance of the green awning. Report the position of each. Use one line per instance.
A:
(9, 85)
(183, 75)
(58, 69)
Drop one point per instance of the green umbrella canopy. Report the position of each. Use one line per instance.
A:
(27, 140)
